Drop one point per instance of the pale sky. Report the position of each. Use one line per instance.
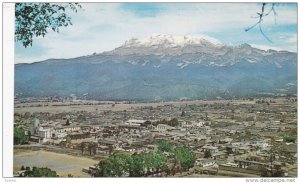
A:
(102, 27)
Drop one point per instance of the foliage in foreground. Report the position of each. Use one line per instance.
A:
(138, 165)
(40, 172)
(185, 157)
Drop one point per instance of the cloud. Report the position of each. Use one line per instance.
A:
(105, 26)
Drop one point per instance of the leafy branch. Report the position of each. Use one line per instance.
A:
(34, 19)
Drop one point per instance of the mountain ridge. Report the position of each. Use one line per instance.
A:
(142, 71)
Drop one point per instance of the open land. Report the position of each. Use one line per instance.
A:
(63, 164)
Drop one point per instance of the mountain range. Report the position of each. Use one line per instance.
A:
(163, 67)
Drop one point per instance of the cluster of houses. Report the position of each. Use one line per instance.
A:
(220, 134)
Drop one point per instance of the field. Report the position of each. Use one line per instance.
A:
(63, 164)
(90, 106)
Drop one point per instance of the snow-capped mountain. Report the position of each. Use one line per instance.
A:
(165, 67)
(168, 41)
(162, 44)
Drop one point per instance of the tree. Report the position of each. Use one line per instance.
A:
(182, 114)
(165, 146)
(67, 122)
(155, 160)
(264, 172)
(278, 172)
(289, 137)
(19, 136)
(40, 172)
(122, 164)
(110, 149)
(35, 19)
(207, 154)
(185, 157)
(174, 122)
(29, 135)
(117, 165)
(137, 165)
(82, 147)
(92, 147)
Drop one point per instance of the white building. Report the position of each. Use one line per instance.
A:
(135, 122)
(67, 129)
(206, 163)
(163, 127)
(200, 124)
(45, 133)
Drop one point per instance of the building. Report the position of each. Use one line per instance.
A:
(205, 162)
(45, 133)
(211, 149)
(163, 127)
(67, 129)
(135, 122)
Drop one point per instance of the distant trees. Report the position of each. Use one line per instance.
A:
(35, 19)
(289, 137)
(19, 136)
(90, 147)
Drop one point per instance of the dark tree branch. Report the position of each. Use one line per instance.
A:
(260, 17)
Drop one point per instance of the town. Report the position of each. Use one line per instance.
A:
(228, 138)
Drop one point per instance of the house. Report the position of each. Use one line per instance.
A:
(77, 135)
(45, 133)
(104, 142)
(225, 140)
(35, 138)
(243, 149)
(230, 164)
(163, 127)
(205, 162)
(219, 155)
(211, 149)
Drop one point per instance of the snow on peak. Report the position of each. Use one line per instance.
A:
(168, 41)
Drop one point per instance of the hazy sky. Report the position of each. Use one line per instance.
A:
(102, 27)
